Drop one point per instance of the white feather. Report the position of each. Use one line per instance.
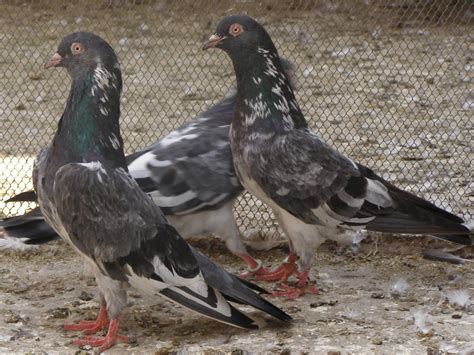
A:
(377, 194)
(171, 201)
(17, 244)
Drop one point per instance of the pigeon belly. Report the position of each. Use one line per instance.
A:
(305, 238)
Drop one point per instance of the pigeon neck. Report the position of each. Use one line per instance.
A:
(89, 127)
(265, 99)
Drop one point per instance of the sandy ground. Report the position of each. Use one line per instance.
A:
(397, 98)
(385, 299)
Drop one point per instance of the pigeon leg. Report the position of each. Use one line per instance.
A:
(282, 272)
(91, 327)
(106, 342)
(254, 265)
(302, 286)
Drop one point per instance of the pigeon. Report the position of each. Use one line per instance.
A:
(312, 189)
(189, 174)
(86, 194)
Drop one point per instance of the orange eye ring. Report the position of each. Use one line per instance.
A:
(235, 29)
(77, 48)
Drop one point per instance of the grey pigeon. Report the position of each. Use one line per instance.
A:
(86, 194)
(313, 189)
(189, 174)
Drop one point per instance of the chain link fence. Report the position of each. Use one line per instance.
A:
(389, 82)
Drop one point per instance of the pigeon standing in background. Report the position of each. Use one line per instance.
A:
(87, 195)
(312, 189)
(189, 174)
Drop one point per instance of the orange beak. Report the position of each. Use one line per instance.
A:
(213, 41)
(54, 61)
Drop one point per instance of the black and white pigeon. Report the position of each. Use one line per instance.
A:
(312, 189)
(87, 195)
(189, 174)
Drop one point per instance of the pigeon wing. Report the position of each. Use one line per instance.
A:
(191, 169)
(302, 174)
(109, 219)
(317, 184)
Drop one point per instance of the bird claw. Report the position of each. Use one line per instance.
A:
(281, 273)
(90, 327)
(292, 292)
(254, 273)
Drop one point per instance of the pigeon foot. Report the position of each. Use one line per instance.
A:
(254, 266)
(292, 292)
(90, 327)
(301, 288)
(281, 273)
(106, 342)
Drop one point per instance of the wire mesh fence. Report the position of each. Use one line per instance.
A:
(387, 82)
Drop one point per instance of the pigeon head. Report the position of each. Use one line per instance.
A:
(265, 96)
(89, 127)
(239, 35)
(83, 52)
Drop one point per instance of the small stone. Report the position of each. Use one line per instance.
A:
(377, 295)
(35, 76)
(294, 309)
(86, 296)
(456, 316)
(59, 313)
(323, 303)
(11, 317)
(20, 107)
(377, 341)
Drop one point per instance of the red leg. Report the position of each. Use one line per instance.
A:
(255, 266)
(302, 286)
(282, 272)
(91, 327)
(106, 342)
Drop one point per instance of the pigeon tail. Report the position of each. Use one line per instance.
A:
(235, 289)
(29, 229)
(27, 196)
(186, 297)
(415, 215)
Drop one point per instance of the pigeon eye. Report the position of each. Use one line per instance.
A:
(235, 29)
(77, 48)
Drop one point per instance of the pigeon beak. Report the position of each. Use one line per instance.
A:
(213, 41)
(55, 60)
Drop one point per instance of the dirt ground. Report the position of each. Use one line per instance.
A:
(382, 300)
(397, 98)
